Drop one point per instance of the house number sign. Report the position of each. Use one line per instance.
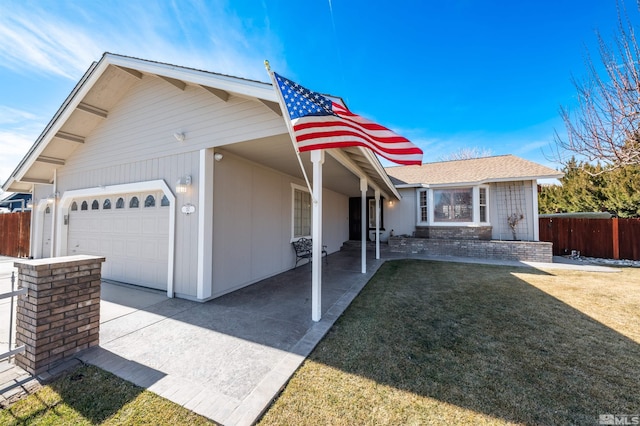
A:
(188, 208)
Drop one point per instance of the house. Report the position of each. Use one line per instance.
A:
(187, 181)
(491, 198)
(14, 202)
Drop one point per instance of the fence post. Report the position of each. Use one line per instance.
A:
(60, 313)
(616, 238)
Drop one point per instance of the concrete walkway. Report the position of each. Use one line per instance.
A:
(228, 358)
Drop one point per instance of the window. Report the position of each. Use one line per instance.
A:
(453, 205)
(47, 210)
(134, 203)
(164, 202)
(301, 213)
(84, 206)
(95, 205)
(106, 205)
(74, 206)
(120, 203)
(150, 201)
(483, 204)
(422, 205)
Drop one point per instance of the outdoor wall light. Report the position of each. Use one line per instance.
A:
(179, 136)
(218, 156)
(183, 184)
(51, 198)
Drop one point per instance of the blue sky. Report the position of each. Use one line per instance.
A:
(446, 74)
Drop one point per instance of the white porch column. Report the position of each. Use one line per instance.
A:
(363, 223)
(377, 195)
(534, 208)
(54, 216)
(205, 224)
(317, 158)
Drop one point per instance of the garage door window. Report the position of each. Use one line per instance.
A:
(120, 203)
(150, 201)
(134, 203)
(95, 205)
(74, 206)
(84, 206)
(106, 205)
(164, 202)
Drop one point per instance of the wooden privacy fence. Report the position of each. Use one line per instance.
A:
(15, 229)
(605, 238)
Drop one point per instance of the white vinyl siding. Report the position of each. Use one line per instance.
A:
(142, 124)
(252, 223)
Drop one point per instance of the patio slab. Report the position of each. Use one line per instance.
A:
(228, 358)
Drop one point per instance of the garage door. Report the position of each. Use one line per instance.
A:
(130, 230)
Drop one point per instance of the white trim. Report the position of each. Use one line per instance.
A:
(295, 186)
(363, 224)
(100, 191)
(475, 191)
(317, 158)
(205, 224)
(536, 222)
(38, 222)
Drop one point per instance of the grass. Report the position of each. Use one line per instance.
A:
(426, 343)
(435, 343)
(91, 396)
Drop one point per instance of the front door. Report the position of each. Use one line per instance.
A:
(355, 218)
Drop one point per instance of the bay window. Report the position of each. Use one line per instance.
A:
(301, 212)
(451, 206)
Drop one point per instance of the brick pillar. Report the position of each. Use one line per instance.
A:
(60, 314)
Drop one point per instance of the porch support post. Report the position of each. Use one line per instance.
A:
(377, 195)
(205, 224)
(534, 208)
(317, 158)
(54, 208)
(363, 224)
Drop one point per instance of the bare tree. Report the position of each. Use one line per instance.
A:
(467, 154)
(606, 125)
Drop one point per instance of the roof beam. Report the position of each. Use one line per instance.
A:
(273, 106)
(34, 180)
(92, 110)
(70, 137)
(217, 92)
(137, 74)
(174, 82)
(50, 160)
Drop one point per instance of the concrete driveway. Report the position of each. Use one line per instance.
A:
(228, 358)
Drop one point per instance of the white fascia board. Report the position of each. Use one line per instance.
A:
(60, 118)
(375, 162)
(344, 159)
(234, 85)
(486, 181)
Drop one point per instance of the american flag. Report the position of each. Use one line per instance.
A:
(320, 123)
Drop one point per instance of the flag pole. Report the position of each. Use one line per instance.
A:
(287, 121)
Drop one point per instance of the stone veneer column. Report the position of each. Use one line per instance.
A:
(60, 314)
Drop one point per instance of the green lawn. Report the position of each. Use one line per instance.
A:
(426, 343)
(445, 343)
(90, 396)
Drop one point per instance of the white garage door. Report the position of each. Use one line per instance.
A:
(131, 231)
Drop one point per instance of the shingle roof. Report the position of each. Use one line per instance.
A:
(474, 171)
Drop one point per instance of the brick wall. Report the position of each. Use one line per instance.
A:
(454, 232)
(531, 251)
(60, 314)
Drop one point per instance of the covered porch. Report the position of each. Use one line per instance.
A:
(226, 358)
